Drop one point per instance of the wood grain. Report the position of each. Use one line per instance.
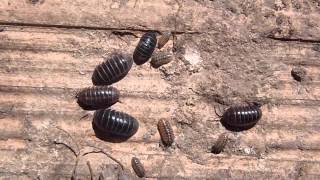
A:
(49, 49)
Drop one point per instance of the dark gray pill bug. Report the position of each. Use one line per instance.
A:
(145, 48)
(166, 132)
(219, 145)
(138, 168)
(241, 117)
(161, 58)
(97, 97)
(164, 38)
(114, 123)
(112, 70)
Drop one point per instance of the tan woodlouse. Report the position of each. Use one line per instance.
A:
(138, 168)
(166, 132)
(220, 144)
(160, 58)
(164, 38)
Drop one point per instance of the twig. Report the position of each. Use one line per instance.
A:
(135, 3)
(84, 116)
(76, 153)
(67, 146)
(105, 153)
(90, 170)
(78, 149)
(74, 171)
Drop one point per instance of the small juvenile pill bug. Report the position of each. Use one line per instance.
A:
(97, 97)
(166, 132)
(138, 168)
(241, 117)
(145, 48)
(114, 123)
(219, 145)
(112, 70)
(160, 58)
(164, 38)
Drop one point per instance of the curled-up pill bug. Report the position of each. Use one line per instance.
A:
(164, 38)
(241, 117)
(219, 145)
(161, 58)
(138, 167)
(112, 70)
(97, 97)
(108, 122)
(166, 132)
(145, 48)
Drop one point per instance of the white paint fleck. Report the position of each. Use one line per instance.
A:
(192, 56)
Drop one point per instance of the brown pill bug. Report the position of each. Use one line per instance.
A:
(145, 48)
(164, 38)
(219, 145)
(166, 132)
(97, 97)
(115, 123)
(161, 58)
(242, 117)
(112, 70)
(138, 168)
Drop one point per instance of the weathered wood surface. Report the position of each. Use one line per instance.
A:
(232, 50)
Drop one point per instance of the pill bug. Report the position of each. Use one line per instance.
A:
(241, 117)
(145, 48)
(164, 38)
(220, 144)
(160, 59)
(166, 132)
(114, 123)
(112, 70)
(97, 97)
(138, 168)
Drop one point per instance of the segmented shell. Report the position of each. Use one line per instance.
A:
(138, 167)
(166, 132)
(220, 144)
(242, 116)
(97, 97)
(115, 123)
(161, 58)
(145, 48)
(112, 69)
(164, 38)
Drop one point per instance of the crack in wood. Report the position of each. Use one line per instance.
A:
(58, 26)
(284, 39)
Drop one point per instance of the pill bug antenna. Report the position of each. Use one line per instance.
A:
(219, 109)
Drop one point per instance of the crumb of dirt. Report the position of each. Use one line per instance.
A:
(36, 1)
(81, 72)
(299, 74)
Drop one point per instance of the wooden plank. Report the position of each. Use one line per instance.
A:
(284, 23)
(49, 49)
